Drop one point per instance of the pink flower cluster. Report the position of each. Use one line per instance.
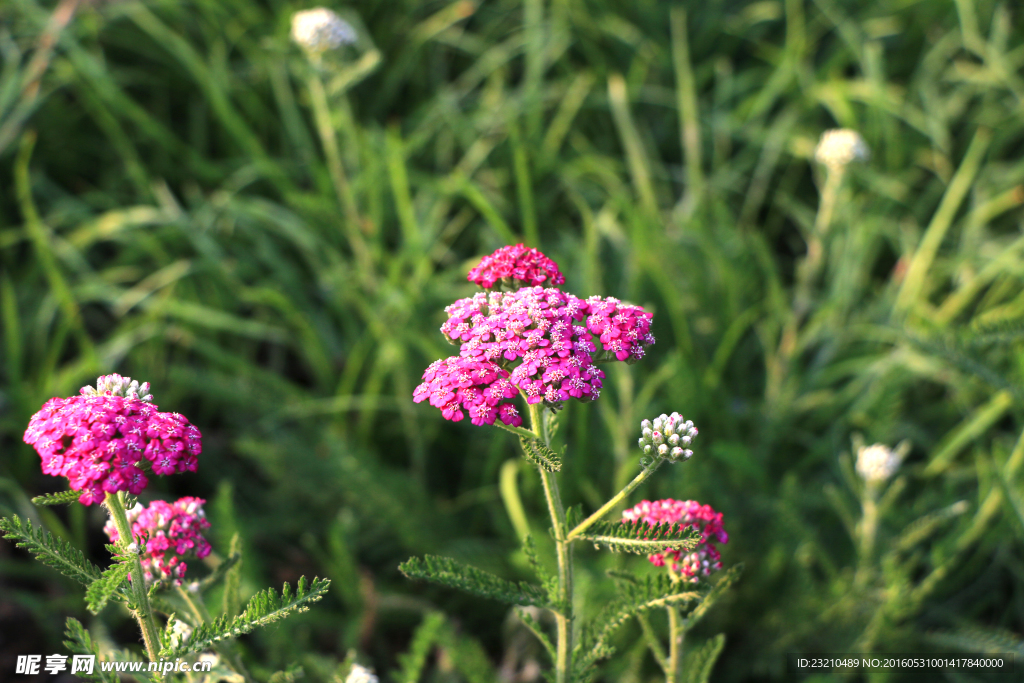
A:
(703, 559)
(537, 341)
(479, 387)
(517, 266)
(169, 532)
(99, 442)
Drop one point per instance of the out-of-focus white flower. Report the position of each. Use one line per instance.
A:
(318, 30)
(878, 462)
(840, 146)
(360, 674)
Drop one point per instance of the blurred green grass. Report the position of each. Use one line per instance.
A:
(167, 213)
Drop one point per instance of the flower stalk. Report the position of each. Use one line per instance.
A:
(563, 549)
(142, 612)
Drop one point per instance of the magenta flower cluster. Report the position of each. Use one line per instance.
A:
(702, 560)
(101, 443)
(516, 265)
(167, 534)
(539, 341)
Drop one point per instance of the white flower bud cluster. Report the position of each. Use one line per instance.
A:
(360, 674)
(877, 463)
(318, 30)
(668, 436)
(116, 385)
(840, 146)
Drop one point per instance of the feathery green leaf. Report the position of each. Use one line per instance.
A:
(264, 608)
(448, 572)
(50, 550)
(697, 664)
(642, 537)
(58, 498)
(102, 589)
(540, 455)
(79, 642)
(423, 640)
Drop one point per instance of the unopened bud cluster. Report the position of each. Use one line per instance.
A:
(318, 30)
(878, 462)
(840, 146)
(667, 436)
(116, 385)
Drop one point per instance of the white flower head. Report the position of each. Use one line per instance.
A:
(878, 462)
(318, 30)
(360, 674)
(840, 146)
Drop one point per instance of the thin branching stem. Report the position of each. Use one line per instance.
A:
(143, 613)
(615, 500)
(676, 631)
(564, 613)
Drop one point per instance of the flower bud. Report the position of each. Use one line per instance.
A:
(667, 435)
(840, 146)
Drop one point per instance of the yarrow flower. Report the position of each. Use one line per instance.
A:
(840, 146)
(541, 342)
(104, 439)
(668, 436)
(318, 30)
(878, 462)
(702, 560)
(169, 534)
(516, 266)
(360, 674)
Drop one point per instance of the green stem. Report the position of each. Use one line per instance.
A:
(806, 273)
(563, 615)
(868, 531)
(143, 613)
(652, 641)
(675, 644)
(615, 500)
(325, 129)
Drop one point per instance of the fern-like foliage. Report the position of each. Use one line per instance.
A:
(104, 588)
(635, 596)
(423, 640)
(920, 529)
(448, 572)
(79, 642)
(978, 639)
(641, 537)
(50, 550)
(540, 455)
(59, 498)
(725, 581)
(697, 665)
(537, 630)
(264, 608)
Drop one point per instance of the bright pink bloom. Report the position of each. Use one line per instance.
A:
(167, 534)
(702, 560)
(516, 266)
(541, 342)
(97, 442)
